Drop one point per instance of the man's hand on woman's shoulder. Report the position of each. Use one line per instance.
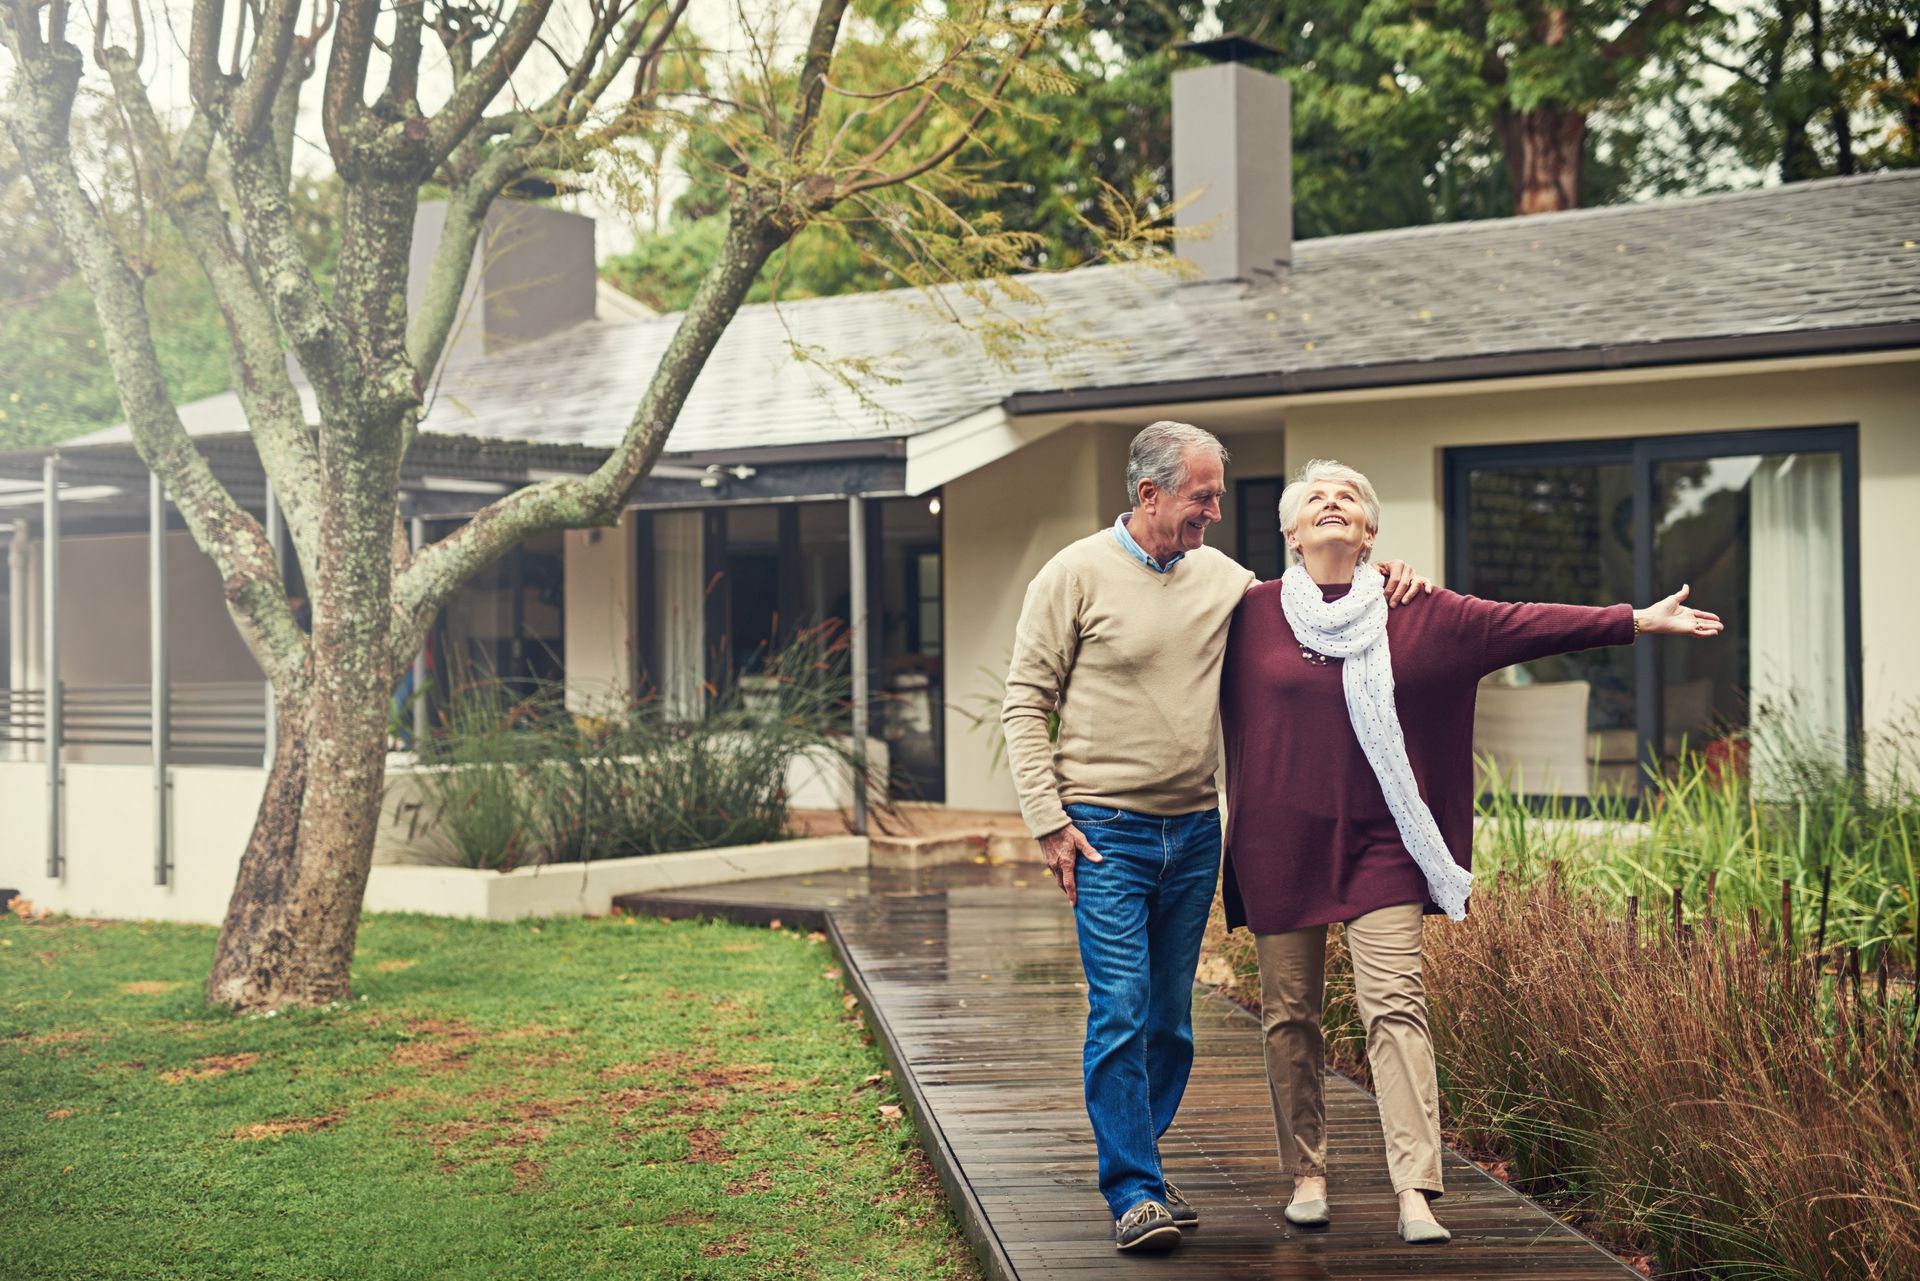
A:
(1402, 583)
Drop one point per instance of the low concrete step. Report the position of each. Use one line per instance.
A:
(909, 853)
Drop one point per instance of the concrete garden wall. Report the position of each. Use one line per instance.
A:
(109, 847)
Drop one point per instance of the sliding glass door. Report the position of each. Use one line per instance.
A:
(506, 624)
(726, 586)
(1761, 525)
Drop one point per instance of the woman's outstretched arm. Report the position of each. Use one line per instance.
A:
(1519, 633)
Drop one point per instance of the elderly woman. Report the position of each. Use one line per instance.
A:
(1350, 790)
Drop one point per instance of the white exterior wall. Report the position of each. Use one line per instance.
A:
(108, 841)
(1255, 454)
(107, 844)
(999, 525)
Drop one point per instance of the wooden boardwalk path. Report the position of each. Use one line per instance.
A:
(974, 988)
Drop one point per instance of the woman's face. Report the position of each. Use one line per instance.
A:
(1331, 518)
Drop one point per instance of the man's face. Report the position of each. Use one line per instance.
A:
(1180, 518)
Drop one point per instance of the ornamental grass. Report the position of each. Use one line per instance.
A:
(516, 774)
(1723, 1077)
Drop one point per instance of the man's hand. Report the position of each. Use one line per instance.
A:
(1062, 848)
(1402, 583)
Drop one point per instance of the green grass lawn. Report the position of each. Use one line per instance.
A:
(615, 1097)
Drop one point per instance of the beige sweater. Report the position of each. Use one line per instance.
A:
(1131, 659)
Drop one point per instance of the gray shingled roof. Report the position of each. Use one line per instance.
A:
(1830, 255)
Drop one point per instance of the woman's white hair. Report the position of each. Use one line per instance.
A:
(1160, 452)
(1326, 471)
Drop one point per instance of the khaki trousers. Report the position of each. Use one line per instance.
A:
(1385, 946)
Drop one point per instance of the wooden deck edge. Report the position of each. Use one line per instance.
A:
(974, 1223)
(673, 906)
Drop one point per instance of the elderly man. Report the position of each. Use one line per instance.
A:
(1122, 633)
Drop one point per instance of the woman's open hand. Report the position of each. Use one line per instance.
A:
(1671, 617)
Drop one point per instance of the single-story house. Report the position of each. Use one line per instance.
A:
(1587, 406)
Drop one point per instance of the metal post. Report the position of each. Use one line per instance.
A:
(18, 679)
(50, 663)
(417, 531)
(280, 566)
(159, 676)
(857, 577)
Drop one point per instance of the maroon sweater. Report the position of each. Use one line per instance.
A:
(1309, 837)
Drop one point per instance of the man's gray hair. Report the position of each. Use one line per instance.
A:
(1324, 470)
(1160, 453)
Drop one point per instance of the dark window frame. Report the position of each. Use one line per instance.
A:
(1642, 455)
(1242, 526)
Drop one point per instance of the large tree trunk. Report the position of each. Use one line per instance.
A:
(1543, 148)
(289, 933)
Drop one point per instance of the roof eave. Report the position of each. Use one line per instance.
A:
(1611, 356)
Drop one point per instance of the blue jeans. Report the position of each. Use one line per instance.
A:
(1141, 913)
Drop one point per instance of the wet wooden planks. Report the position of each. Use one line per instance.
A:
(972, 978)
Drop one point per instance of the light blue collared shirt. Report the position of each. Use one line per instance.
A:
(1134, 549)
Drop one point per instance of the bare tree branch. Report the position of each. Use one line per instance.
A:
(343, 100)
(813, 74)
(471, 96)
(205, 81)
(403, 75)
(259, 370)
(46, 78)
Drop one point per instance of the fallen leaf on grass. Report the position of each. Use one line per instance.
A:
(394, 967)
(59, 1114)
(849, 1000)
(738, 1243)
(703, 1147)
(211, 1066)
(288, 1125)
(891, 1111)
(444, 1045)
(670, 1061)
(830, 974)
(816, 937)
(774, 924)
(147, 987)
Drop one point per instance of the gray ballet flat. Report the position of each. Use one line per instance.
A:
(1421, 1232)
(1307, 1214)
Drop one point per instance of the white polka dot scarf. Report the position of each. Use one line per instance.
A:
(1354, 629)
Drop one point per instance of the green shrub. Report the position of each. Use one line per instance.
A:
(510, 776)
